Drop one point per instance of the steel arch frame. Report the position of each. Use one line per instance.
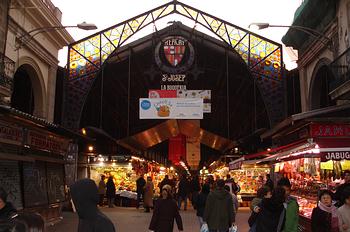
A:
(87, 56)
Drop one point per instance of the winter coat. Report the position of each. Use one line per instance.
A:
(110, 189)
(164, 213)
(195, 185)
(269, 216)
(200, 203)
(344, 217)
(269, 183)
(165, 182)
(148, 200)
(102, 187)
(321, 220)
(140, 184)
(219, 213)
(8, 211)
(85, 197)
(340, 193)
(184, 188)
(292, 216)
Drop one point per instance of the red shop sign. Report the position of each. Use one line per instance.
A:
(330, 130)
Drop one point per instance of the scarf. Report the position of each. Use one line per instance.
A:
(330, 209)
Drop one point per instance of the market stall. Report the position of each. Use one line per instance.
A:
(125, 171)
(313, 163)
(249, 176)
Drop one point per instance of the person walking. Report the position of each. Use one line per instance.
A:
(339, 193)
(292, 208)
(110, 193)
(195, 187)
(165, 181)
(269, 182)
(218, 213)
(262, 193)
(235, 202)
(271, 214)
(324, 217)
(344, 212)
(200, 203)
(85, 197)
(102, 189)
(183, 192)
(148, 200)
(7, 210)
(140, 184)
(165, 212)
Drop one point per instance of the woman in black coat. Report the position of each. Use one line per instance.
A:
(271, 215)
(110, 192)
(165, 212)
(324, 217)
(200, 203)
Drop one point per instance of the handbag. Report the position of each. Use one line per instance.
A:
(233, 228)
(204, 228)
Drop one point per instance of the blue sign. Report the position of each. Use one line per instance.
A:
(145, 104)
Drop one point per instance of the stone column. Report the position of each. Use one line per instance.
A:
(51, 93)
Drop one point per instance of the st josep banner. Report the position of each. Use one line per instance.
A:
(171, 108)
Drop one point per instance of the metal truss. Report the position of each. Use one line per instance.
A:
(263, 56)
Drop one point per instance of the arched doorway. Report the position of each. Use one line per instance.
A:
(28, 90)
(320, 87)
(23, 95)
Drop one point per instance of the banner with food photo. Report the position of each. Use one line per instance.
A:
(171, 108)
(204, 94)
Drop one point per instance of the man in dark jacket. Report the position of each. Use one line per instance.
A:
(7, 211)
(200, 202)
(340, 190)
(165, 181)
(184, 189)
(85, 197)
(140, 184)
(269, 182)
(219, 213)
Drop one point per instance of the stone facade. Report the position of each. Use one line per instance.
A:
(38, 54)
(316, 59)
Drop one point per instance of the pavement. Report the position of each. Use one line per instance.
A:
(133, 220)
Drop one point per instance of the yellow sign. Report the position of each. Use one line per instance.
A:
(327, 165)
(345, 164)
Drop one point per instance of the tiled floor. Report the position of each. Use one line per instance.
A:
(132, 220)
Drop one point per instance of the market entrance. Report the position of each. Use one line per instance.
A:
(239, 78)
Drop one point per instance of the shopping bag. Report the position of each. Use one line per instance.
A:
(233, 228)
(204, 228)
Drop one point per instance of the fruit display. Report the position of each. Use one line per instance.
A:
(248, 179)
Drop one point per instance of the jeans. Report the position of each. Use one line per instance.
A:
(180, 200)
(110, 202)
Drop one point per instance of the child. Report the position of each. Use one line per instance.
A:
(263, 192)
(344, 212)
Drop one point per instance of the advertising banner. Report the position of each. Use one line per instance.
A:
(156, 93)
(204, 94)
(171, 108)
(193, 150)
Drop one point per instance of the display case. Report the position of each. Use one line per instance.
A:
(250, 179)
